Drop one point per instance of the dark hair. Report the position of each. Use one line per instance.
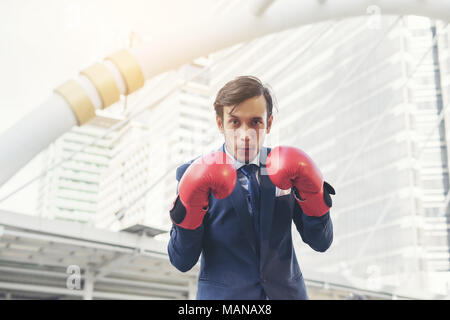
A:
(239, 90)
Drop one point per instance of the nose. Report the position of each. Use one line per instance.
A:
(247, 135)
(245, 139)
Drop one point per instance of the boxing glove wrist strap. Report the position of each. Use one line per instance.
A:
(315, 204)
(187, 218)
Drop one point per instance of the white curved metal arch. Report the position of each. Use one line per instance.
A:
(126, 71)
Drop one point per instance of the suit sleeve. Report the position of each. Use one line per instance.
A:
(317, 232)
(185, 245)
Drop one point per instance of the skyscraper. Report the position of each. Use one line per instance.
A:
(361, 101)
(104, 176)
(181, 128)
(367, 103)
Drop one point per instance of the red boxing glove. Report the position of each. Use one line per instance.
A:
(214, 173)
(289, 167)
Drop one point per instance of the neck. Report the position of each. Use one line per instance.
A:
(227, 151)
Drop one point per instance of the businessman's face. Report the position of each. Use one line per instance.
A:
(245, 128)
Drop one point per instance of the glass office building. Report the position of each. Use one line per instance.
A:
(98, 172)
(367, 103)
(364, 104)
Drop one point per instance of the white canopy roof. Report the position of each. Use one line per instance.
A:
(41, 258)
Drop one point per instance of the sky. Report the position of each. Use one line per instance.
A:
(47, 42)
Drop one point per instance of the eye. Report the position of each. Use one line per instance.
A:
(256, 122)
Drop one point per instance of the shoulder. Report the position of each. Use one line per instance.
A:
(181, 169)
(263, 153)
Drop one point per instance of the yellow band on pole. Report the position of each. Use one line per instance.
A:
(104, 82)
(129, 68)
(78, 100)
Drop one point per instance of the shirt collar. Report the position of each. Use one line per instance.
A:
(239, 164)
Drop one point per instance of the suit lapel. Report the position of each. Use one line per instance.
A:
(239, 203)
(267, 201)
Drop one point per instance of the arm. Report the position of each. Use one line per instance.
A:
(290, 167)
(185, 245)
(317, 232)
(212, 173)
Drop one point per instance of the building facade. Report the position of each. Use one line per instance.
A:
(367, 103)
(104, 171)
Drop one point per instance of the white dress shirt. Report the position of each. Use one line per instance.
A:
(243, 179)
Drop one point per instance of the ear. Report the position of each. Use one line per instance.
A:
(269, 124)
(219, 123)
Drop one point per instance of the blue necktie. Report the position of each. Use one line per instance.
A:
(253, 190)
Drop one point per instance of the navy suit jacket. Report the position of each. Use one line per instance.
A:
(237, 263)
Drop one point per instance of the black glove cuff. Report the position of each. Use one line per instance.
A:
(178, 211)
(327, 190)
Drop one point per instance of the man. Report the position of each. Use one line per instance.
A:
(235, 206)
